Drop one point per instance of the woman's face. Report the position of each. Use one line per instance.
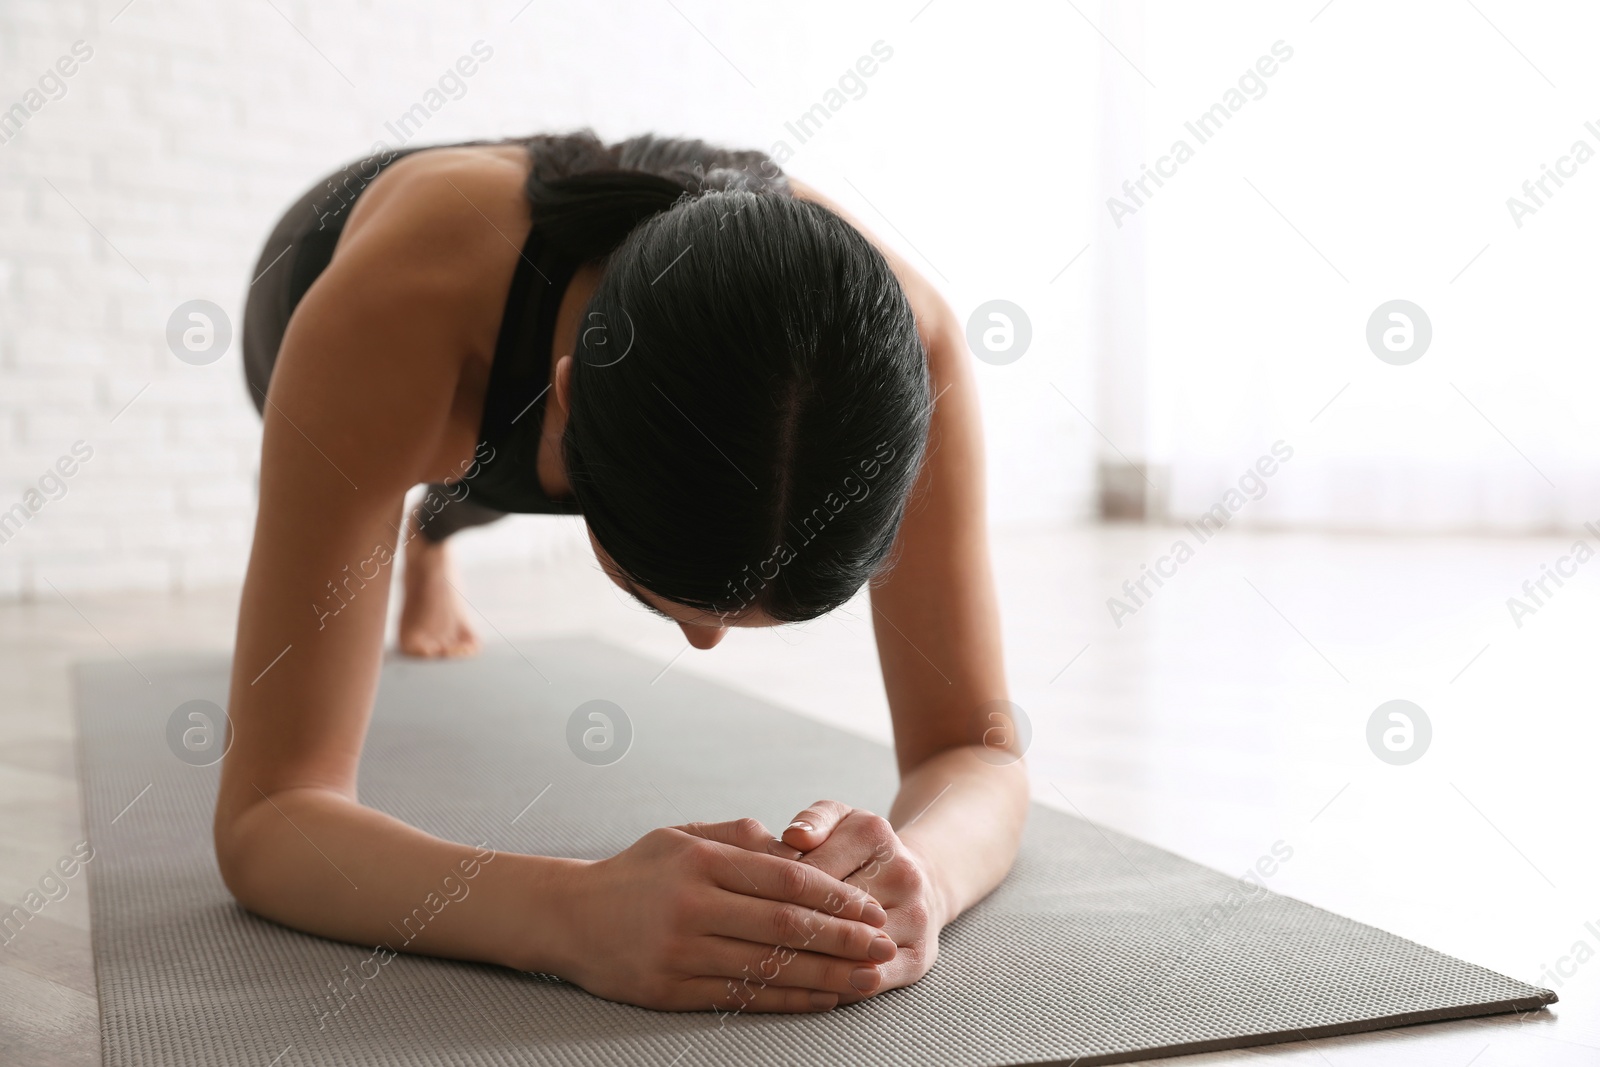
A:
(702, 629)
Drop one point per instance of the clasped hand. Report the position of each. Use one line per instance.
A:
(723, 916)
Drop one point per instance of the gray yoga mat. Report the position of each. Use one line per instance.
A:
(1098, 948)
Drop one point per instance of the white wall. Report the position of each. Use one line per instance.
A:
(154, 177)
(1376, 163)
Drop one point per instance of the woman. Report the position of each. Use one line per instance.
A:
(740, 392)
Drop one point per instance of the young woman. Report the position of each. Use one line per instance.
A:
(756, 409)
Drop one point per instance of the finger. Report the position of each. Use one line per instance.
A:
(748, 834)
(909, 927)
(727, 957)
(768, 922)
(861, 842)
(813, 825)
(739, 995)
(911, 964)
(771, 878)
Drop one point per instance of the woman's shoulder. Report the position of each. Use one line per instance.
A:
(447, 213)
(438, 233)
(407, 310)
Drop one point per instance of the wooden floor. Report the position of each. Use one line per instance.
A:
(1227, 713)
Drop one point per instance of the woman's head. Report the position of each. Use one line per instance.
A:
(747, 405)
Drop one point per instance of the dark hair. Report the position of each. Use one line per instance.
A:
(750, 398)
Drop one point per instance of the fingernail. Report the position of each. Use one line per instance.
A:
(873, 914)
(882, 949)
(864, 978)
(800, 825)
(824, 1001)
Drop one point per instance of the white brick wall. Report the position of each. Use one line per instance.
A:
(155, 177)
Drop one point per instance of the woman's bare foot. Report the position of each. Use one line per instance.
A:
(433, 619)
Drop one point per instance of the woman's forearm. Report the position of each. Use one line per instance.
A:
(962, 815)
(317, 861)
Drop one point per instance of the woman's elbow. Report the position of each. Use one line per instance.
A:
(238, 859)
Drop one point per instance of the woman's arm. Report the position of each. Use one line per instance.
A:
(938, 631)
(358, 412)
(953, 830)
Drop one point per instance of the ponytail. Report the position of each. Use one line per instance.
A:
(586, 196)
(588, 215)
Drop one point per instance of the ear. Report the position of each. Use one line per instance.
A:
(563, 382)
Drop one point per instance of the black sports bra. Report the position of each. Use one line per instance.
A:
(506, 477)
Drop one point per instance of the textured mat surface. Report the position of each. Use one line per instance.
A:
(1098, 948)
